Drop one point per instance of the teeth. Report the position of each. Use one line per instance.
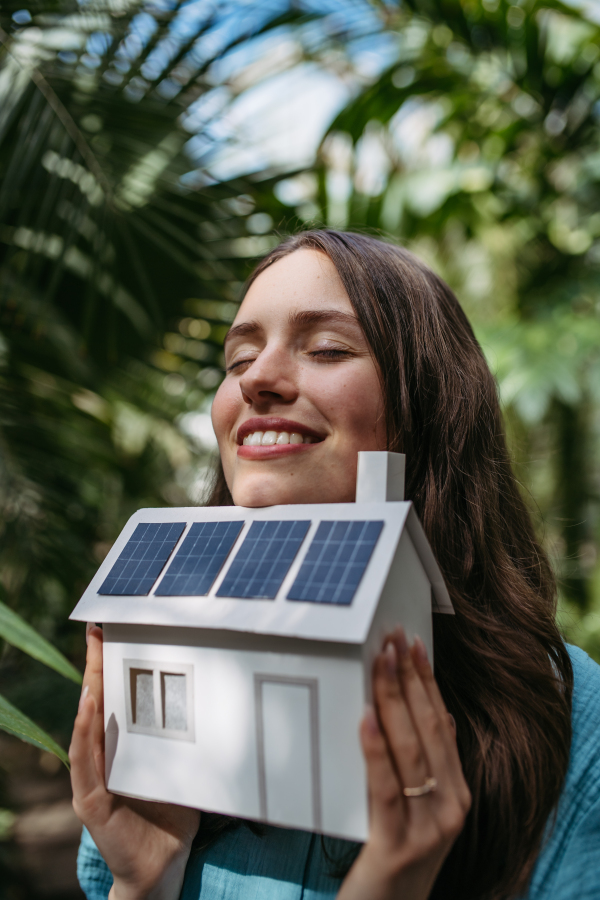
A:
(269, 438)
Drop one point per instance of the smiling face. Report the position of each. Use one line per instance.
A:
(302, 394)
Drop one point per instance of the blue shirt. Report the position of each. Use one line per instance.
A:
(282, 864)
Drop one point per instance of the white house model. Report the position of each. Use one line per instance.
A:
(238, 646)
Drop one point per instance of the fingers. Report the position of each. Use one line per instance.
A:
(446, 726)
(423, 667)
(417, 727)
(431, 724)
(92, 680)
(386, 801)
(84, 775)
(87, 744)
(405, 746)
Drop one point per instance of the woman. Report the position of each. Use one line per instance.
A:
(344, 343)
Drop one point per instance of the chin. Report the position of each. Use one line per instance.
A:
(267, 492)
(264, 495)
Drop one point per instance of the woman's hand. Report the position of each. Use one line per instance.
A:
(145, 845)
(408, 739)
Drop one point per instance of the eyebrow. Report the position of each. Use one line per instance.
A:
(303, 319)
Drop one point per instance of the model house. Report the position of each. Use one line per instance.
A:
(238, 646)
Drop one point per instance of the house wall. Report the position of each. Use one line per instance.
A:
(405, 600)
(253, 701)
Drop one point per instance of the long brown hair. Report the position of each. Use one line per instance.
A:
(501, 664)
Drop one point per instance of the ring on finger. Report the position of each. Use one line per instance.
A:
(422, 789)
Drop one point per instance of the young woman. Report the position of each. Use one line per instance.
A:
(345, 343)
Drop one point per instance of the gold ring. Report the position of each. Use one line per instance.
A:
(429, 786)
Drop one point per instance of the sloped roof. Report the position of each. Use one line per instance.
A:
(330, 621)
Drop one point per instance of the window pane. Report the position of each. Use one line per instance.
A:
(174, 702)
(142, 697)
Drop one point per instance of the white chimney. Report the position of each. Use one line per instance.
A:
(380, 476)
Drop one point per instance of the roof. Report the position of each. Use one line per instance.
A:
(323, 566)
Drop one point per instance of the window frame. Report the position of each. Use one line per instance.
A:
(158, 669)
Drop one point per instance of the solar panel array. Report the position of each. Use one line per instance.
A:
(330, 572)
(198, 561)
(335, 562)
(263, 560)
(142, 559)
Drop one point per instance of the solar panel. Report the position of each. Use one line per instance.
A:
(198, 561)
(263, 560)
(335, 563)
(142, 558)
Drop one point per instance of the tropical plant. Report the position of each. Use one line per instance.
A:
(99, 250)
(121, 259)
(14, 630)
(478, 147)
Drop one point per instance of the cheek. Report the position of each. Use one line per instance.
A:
(225, 411)
(353, 404)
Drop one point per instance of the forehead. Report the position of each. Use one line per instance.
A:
(305, 279)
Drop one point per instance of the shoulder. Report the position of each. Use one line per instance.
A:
(586, 673)
(581, 791)
(585, 746)
(567, 865)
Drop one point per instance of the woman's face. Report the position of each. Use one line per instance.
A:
(301, 395)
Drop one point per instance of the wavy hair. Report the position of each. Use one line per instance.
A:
(500, 662)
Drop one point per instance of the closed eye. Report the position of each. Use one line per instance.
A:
(330, 354)
(240, 362)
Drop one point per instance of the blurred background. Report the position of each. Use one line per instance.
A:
(150, 152)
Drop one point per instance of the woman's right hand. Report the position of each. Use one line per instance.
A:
(144, 844)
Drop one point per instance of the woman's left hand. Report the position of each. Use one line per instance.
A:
(407, 739)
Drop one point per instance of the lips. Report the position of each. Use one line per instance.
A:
(271, 437)
(278, 425)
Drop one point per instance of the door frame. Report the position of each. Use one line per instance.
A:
(313, 685)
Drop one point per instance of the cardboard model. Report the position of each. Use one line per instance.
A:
(238, 646)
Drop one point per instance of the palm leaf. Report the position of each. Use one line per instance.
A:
(14, 722)
(17, 632)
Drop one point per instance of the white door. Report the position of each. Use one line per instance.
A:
(288, 751)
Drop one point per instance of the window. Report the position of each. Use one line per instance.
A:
(159, 699)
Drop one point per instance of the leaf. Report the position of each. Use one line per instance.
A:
(14, 722)
(17, 632)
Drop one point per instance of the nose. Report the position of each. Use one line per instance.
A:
(269, 380)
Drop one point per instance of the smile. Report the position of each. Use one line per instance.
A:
(270, 437)
(276, 438)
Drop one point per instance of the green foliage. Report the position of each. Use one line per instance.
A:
(14, 630)
(14, 722)
(120, 267)
(479, 149)
(122, 258)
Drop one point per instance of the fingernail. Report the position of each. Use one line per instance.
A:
(88, 628)
(401, 642)
(421, 651)
(84, 694)
(391, 661)
(371, 721)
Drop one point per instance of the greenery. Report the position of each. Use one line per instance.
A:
(122, 256)
(14, 630)
(479, 149)
(121, 262)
